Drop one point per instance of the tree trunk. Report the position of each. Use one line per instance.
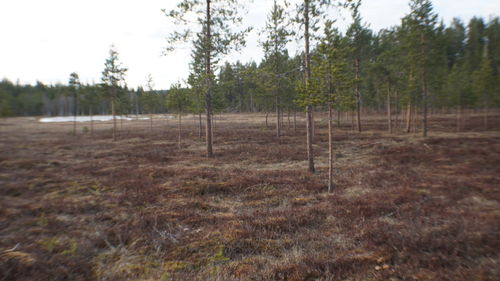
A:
(313, 124)
(267, 124)
(114, 118)
(408, 117)
(353, 126)
(75, 104)
(213, 128)
(295, 121)
(330, 148)
(424, 89)
(151, 122)
(278, 125)
(415, 117)
(338, 119)
(179, 131)
(485, 117)
(358, 96)
(200, 126)
(389, 116)
(251, 103)
(288, 119)
(309, 108)
(208, 73)
(91, 123)
(397, 111)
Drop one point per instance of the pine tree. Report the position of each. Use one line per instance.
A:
(217, 38)
(150, 100)
(74, 85)
(178, 100)
(276, 34)
(422, 23)
(483, 83)
(330, 73)
(359, 36)
(309, 14)
(113, 76)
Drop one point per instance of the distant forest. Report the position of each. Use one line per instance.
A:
(463, 60)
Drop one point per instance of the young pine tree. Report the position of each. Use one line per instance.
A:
(309, 14)
(277, 34)
(360, 40)
(216, 20)
(112, 79)
(178, 100)
(74, 85)
(330, 72)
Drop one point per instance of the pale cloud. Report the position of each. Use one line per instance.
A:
(47, 40)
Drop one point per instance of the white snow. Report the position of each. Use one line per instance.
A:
(87, 118)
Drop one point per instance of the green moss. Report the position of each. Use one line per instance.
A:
(49, 244)
(72, 247)
(41, 220)
(219, 257)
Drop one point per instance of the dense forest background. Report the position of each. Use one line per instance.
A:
(463, 64)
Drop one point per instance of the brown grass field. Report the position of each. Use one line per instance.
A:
(404, 207)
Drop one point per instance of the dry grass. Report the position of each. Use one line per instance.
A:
(404, 207)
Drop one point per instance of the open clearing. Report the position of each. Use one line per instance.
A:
(404, 207)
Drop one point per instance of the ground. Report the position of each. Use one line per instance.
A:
(403, 208)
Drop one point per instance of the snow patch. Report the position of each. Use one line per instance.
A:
(59, 119)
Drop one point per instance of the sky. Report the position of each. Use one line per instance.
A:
(46, 40)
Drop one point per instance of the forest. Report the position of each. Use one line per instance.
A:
(365, 155)
(462, 59)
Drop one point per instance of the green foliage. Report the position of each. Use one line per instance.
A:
(484, 81)
(113, 75)
(178, 99)
(330, 70)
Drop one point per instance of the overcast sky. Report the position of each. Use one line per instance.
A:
(46, 40)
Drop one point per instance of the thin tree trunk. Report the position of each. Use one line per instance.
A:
(213, 128)
(295, 121)
(425, 94)
(353, 126)
(278, 127)
(151, 122)
(179, 131)
(288, 117)
(415, 118)
(330, 148)
(75, 104)
(338, 119)
(397, 111)
(91, 123)
(267, 124)
(408, 117)
(114, 119)
(200, 126)
(485, 117)
(309, 108)
(313, 125)
(389, 116)
(358, 96)
(208, 73)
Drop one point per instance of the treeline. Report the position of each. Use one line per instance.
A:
(59, 100)
(371, 71)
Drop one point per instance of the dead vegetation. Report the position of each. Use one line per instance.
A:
(404, 208)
